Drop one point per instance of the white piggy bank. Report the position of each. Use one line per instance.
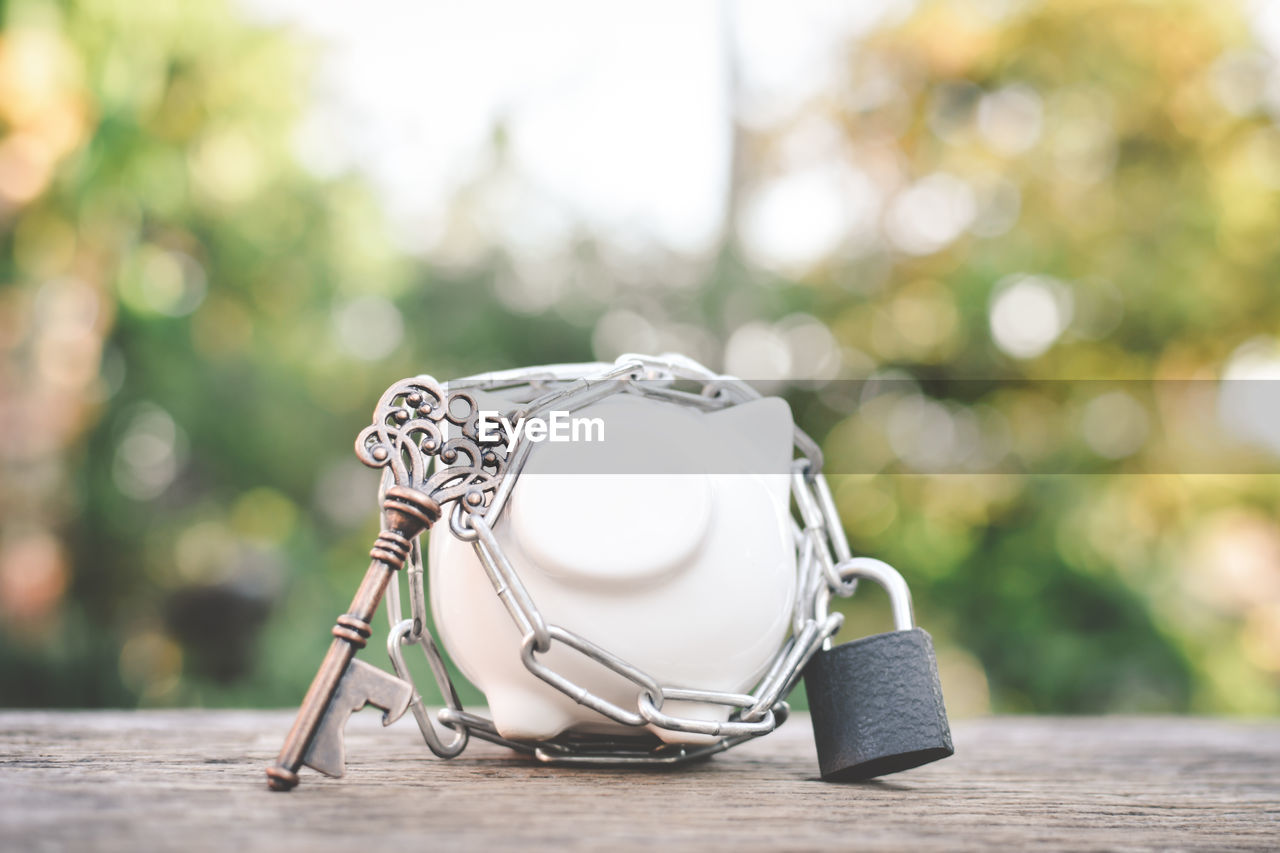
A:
(668, 543)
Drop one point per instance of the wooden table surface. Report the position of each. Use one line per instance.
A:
(192, 780)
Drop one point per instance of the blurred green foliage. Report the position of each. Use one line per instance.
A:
(181, 512)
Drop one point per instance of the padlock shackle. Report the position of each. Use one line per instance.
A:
(887, 577)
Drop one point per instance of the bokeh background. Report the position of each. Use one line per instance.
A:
(225, 228)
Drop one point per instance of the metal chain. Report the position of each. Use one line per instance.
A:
(824, 567)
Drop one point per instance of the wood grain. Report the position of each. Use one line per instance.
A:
(193, 780)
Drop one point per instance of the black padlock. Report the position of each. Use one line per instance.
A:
(876, 703)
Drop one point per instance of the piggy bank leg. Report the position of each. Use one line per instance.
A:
(521, 714)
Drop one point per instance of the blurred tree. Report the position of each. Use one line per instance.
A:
(193, 331)
(171, 278)
(1052, 191)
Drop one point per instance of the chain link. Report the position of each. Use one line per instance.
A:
(824, 567)
(580, 694)
(401, 635)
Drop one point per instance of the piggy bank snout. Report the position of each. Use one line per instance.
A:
(630, 508)
(622, 530)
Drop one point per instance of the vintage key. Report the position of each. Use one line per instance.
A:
(876, 703)
(414, 421)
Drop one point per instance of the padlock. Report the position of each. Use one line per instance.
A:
(876, 703)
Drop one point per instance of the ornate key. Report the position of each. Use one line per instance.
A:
(415, 421)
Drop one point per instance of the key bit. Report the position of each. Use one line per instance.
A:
(362, 684)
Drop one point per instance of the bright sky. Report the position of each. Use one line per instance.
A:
(617, 113)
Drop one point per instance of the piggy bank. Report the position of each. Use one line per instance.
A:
(663, 536)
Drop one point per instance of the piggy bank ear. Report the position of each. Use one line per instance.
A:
(755, 438)
(758, 439)
(627, 510)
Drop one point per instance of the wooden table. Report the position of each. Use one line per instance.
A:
(192, 780)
